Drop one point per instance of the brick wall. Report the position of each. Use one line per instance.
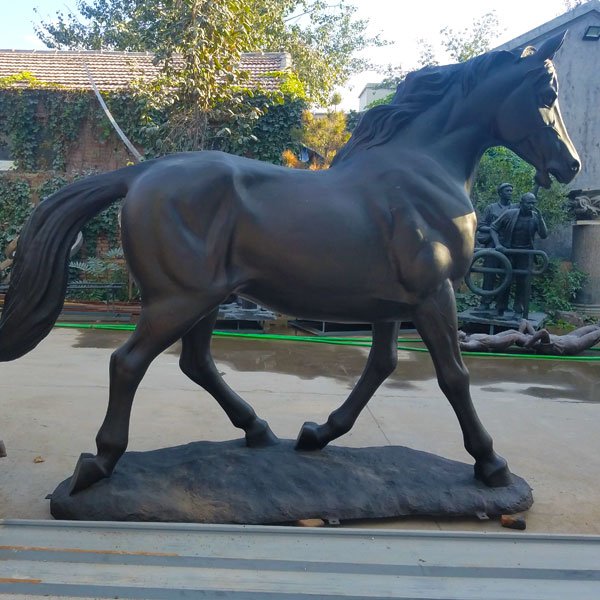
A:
(92, 153)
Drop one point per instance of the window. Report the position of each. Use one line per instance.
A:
(5, 160)
(592, 33)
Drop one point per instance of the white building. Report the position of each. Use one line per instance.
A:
(372, 92)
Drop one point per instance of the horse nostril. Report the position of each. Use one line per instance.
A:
(575, 166)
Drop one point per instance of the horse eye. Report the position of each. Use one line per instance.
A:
(548, 97)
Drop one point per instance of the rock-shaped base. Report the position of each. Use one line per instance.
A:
(226, 482)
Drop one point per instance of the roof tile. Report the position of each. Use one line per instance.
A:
(117, 70)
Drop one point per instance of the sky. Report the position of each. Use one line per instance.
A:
(401, 22)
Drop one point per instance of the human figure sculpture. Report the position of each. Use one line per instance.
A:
(526, 336)
(516, 229)
(492, 212)
(379, 237)
(498, 342)
(568, 344)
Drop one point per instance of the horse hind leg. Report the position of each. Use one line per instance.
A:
(435, 320)
(382, 361)
(197, 363)
(160, 325)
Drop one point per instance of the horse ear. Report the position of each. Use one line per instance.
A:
(549, 48)
(528, 51)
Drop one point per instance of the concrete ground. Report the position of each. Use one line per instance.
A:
(543, 416)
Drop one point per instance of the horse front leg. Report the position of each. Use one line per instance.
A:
(435, 320)
(382, 361)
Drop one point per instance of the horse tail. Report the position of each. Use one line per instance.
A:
(40, 270)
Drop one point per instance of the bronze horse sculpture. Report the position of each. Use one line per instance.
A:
(379, 238)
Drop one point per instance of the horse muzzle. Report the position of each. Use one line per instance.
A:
(553, 155)
(565, 171)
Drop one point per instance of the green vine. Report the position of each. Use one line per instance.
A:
(103, 226)
(38, 121)
(15, 207)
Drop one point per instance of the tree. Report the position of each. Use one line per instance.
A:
(201, 98)
(571, 4)
(323, 39)
(324, 134)
(471, 41)
(427, 57)
(460, 46)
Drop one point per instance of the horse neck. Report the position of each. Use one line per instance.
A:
(452, 132)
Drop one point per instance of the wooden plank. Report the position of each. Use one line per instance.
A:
(130, 560)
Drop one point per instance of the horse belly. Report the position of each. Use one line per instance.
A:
(333, 281)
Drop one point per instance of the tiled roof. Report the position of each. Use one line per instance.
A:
(116, 70)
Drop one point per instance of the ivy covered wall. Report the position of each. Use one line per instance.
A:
(48, 128)
(55, 135)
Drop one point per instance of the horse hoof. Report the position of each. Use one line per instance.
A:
(260, 435)
(493, 472)
(310, 438)
(87, 472)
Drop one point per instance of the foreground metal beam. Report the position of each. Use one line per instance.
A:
(130, 560)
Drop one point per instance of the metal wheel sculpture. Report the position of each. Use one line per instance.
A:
(504, 269)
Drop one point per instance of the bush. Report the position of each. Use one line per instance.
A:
(557, 287)
(15, 207)
(107, 269)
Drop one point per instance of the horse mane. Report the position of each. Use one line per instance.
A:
(419, 91)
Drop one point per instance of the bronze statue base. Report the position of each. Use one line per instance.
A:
(490, 320)
(226, 482)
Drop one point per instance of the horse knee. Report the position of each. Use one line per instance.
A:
(198, 370)
(455, 379)
(124, 366)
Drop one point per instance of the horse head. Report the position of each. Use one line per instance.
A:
(528, 120)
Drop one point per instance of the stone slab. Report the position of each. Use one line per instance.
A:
(226, 482)
(494, 323)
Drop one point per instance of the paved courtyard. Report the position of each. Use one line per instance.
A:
(543, 415)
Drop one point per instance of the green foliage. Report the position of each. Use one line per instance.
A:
(466, 299)
(51, 185)
(325, 135)
(39, 121)
(352, 119)
(198, 44)
(20, 127)
(106, 269)
(385, 100)
(95, 270)
(427, 55)
(272, 132)
(499, 165)
(15, 207)
(458, 46)
(103, 226)
(16, 204)
(557, 287)
(471, 41)
(323, 38)
(40, 124)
